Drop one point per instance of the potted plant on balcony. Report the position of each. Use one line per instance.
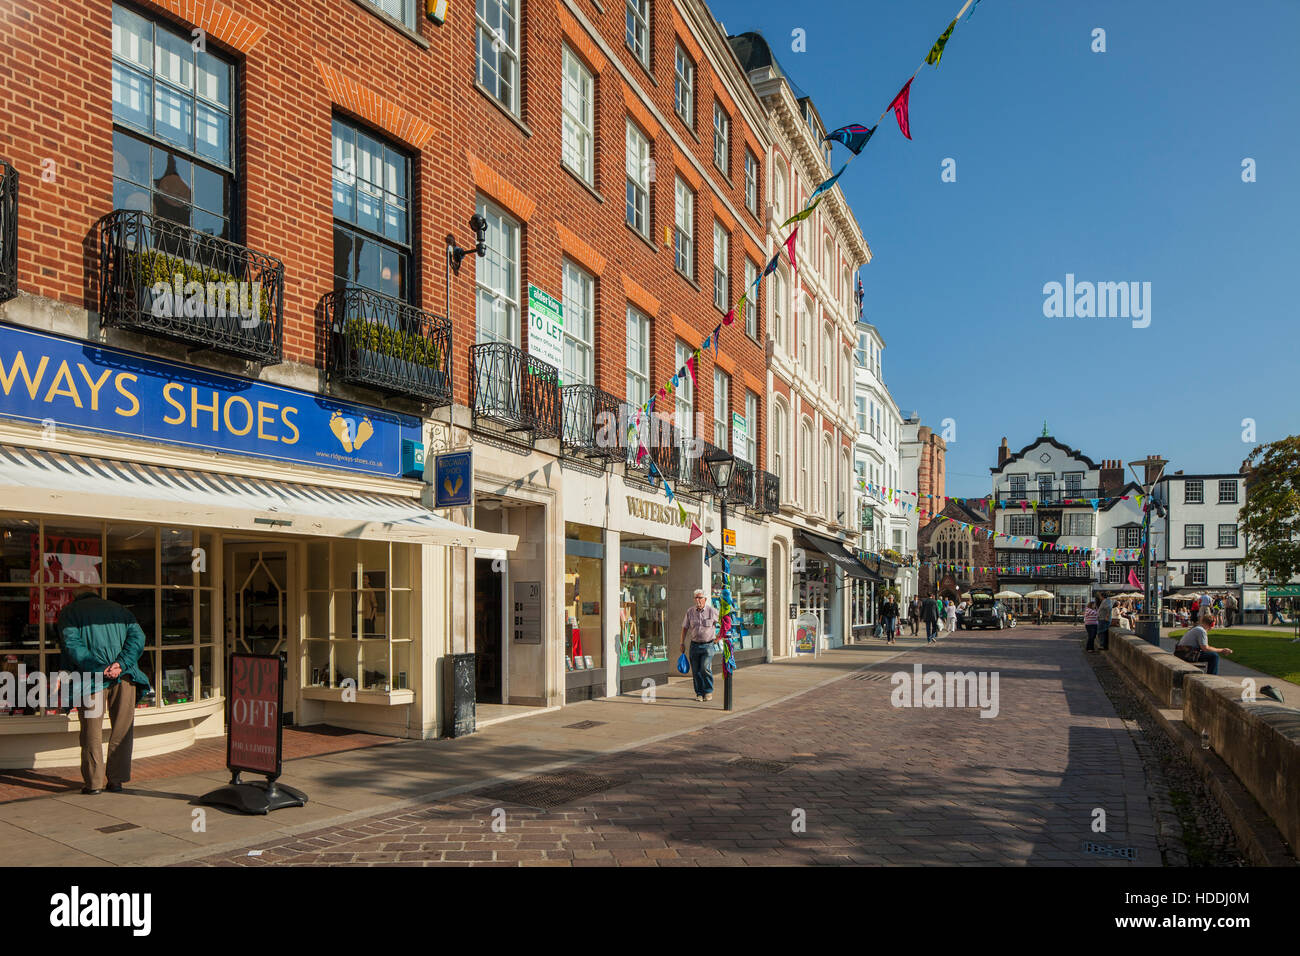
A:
(170, 287)
(396, 358)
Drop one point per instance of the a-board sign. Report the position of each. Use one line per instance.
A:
(254, 730)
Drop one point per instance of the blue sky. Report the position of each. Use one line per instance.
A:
(1116, 166)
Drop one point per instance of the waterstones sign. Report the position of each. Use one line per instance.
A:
(653, 511)
(55, 382)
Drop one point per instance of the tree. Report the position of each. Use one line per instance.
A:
(1271, 514)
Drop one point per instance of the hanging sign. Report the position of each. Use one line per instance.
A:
(729, 541)
(546, 328)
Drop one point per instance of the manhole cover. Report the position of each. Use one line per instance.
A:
(759, 766)
(869, 675)
(117, 828)
(548, 790)
(585, 725)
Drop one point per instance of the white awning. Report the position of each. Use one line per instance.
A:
(45, 482)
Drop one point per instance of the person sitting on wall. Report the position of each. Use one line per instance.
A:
(1195, 647)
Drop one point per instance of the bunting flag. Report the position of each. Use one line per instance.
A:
(695, 532)
(899, 106)
(801, 216)
(771, 266)
(854, 136)
(825, 187)
(936, 52)
(972, 9)
(709, 551)
(681, 509)
(730, 316)
(789, 249)
(717, 340)
(690, 365)
(860, 296)
(1133, 579)
(707, 342)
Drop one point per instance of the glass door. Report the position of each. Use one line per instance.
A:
(261, 611)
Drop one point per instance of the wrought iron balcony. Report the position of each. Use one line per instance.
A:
(380, 342)
(161, 278)
(767, 493)
(741, 489)
(8, 231)
(591, 424)
(1012, 498)
(657, 435)
(695, 467)
(513, 390)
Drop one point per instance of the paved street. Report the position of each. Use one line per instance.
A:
(873, 784)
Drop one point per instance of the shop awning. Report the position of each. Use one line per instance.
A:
(839, 554)
(45, 482)
(1284, 590)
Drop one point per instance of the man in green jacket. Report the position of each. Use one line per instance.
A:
(102, 637)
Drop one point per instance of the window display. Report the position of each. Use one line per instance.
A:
(643, 602)
(749, 591)
(584, 575)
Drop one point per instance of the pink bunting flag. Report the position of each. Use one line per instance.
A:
(789, 249)
(899, 106)
(690, 364)
(730, 317)
(695, 532)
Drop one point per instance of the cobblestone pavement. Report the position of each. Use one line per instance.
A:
(837, 775)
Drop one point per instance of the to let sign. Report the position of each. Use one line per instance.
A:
(254, 733)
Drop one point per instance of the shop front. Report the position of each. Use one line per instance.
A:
(751, 587)
(212, 507)
(584, 598)
(824, 570)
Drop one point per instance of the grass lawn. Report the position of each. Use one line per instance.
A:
(1270, 653)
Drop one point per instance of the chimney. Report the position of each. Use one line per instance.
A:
(1003, 453)
(1152, 468)
(1112, 476)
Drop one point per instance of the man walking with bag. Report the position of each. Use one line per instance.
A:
(698, 626)
(102, 637)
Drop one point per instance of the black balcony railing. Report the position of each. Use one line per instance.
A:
(695, 467)
(591, 424)
(741, 490)
(8, 231)
(767, 493)
(161, 278)
(658, 436)
(380, 342)
(513, 390)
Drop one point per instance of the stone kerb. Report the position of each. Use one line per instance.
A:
(1259, 740)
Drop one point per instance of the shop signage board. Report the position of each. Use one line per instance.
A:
(806, 633)
(729, 541)
(527, 623)
(453, 479)
(545, 327)
(55, 381)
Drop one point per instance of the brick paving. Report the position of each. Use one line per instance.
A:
(203, 756)
(874, 784)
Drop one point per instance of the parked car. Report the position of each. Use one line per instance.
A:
(985, 611)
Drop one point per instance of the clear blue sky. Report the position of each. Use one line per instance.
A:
(1115, 166)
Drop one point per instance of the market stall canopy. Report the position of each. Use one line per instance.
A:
(1040, 595)
(78, 485)
(838, 553)
(1007, 595)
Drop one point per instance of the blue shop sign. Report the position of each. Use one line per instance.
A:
(49, 379)
(453, 479)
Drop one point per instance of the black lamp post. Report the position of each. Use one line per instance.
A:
(1151, 612)
(721, 467)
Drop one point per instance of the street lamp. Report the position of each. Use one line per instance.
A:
(721, 468)
(1152, 622)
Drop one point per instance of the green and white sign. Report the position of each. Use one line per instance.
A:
(739, 437)
(546, 328)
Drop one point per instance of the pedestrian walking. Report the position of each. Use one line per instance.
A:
(698, 626)
(1229, 610)
(1195, 647)
(1104, 612)
(930, 615)
(98, 636)
(1090, 624)
(1275, 609)
(891, 619)
(952, 617)
(914, 613)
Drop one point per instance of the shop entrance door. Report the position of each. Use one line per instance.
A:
(261, 610)
(489, 634)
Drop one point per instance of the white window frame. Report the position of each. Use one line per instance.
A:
(684, 411)
(828, 351)
(805, 469)
(827, 459)
(721, 409)
(579, 302)
(405, 8)
(504, 47)
(751, 181)
(751, 299)
(1194, 492)
(778, 192)
(721, 257)
(577, 100)
(1073, 518)
(777, 329)
(499, 254)
(684, 230)
(684, 86)
(1020, 526)
(1230, 573)
(751, 428)
(1197, 572)
(1228, 484)
(638, 357)
(1230, 529)
(721, 140)
(780, 454)
(638, 30)
(1194, 533)
(638, 179)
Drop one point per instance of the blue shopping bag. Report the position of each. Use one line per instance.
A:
(683, 665)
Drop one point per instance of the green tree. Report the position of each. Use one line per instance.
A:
(1271, 515)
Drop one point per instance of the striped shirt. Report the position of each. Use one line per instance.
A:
(1089, 615)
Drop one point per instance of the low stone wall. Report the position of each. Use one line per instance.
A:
(1259, 740)
(1160, 672)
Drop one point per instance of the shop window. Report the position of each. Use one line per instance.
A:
(643, 601)
(44, 564)
(361, 614)
(584, 576)
(173, 142)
